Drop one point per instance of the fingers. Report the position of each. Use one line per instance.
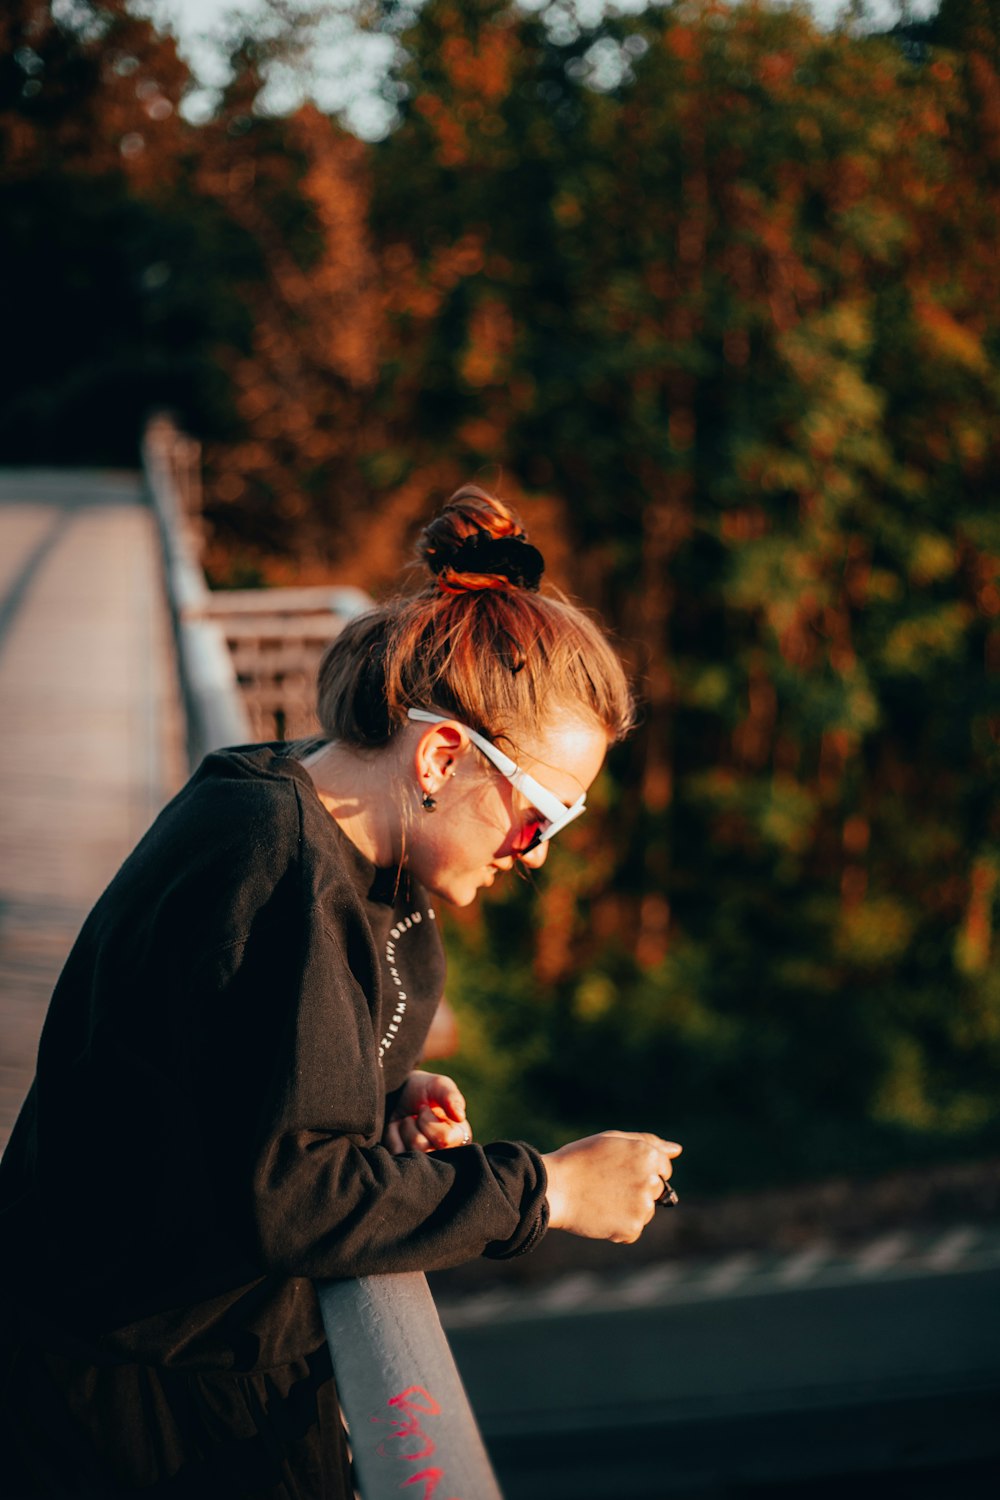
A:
(661, 1153)
(453, 1102)
(431, 1116)
(442, 1132)
(659, 1162)
(445, 1092)
(428, 1130)
(671, 1148)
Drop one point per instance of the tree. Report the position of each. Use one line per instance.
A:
(728, 297)
(711, 295)
(286, 482)
(106, 301)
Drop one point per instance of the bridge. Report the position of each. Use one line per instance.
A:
(733, 1371)
(91, 728)
(118, 670)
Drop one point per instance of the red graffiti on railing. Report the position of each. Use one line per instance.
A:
(408, 1411)
(430, 1478)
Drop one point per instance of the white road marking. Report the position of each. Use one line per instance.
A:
(881, 1254)
(897, 1255)
(801, 1267)
(727, 1275)
(645, 1286)
(569, 1292)
(482, 1308)
(951, 1248)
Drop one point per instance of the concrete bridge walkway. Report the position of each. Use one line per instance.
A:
(91, 731)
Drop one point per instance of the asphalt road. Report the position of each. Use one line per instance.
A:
(876, 1376)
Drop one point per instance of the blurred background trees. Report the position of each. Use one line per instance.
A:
(711, 294)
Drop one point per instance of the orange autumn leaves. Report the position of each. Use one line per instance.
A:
(712, 294)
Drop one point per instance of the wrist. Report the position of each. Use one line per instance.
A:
(555, 1192)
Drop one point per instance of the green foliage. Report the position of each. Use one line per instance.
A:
(714, 292)
(743, 325)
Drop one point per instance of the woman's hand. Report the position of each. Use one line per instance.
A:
(606, 1186)
(429, 1116)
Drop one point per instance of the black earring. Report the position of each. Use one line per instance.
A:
(427, 802)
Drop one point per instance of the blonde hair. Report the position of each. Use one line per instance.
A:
(478, 641)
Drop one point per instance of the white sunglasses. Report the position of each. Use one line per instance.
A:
(555, 814)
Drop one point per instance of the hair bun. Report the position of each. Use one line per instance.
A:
(482, 555)
(478, 641)
(478, 543)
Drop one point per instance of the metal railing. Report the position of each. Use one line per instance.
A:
(214, 708)
(247, 663)
(276, 639)
(248, 657)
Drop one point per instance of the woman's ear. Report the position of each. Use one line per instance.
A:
(437, 750)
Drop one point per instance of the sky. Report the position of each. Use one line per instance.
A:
(346, 66)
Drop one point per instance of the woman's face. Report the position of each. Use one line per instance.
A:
(481, 824)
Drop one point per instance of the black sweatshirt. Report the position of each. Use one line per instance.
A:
(203, 1133)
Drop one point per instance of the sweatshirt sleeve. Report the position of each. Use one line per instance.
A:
(295, 1114)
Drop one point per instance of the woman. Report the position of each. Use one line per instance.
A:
(226, 1103)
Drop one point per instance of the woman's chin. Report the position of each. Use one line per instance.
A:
(463, 895)
(456, 888)
(453, 892)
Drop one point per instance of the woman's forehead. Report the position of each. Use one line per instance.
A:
(565, 755)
